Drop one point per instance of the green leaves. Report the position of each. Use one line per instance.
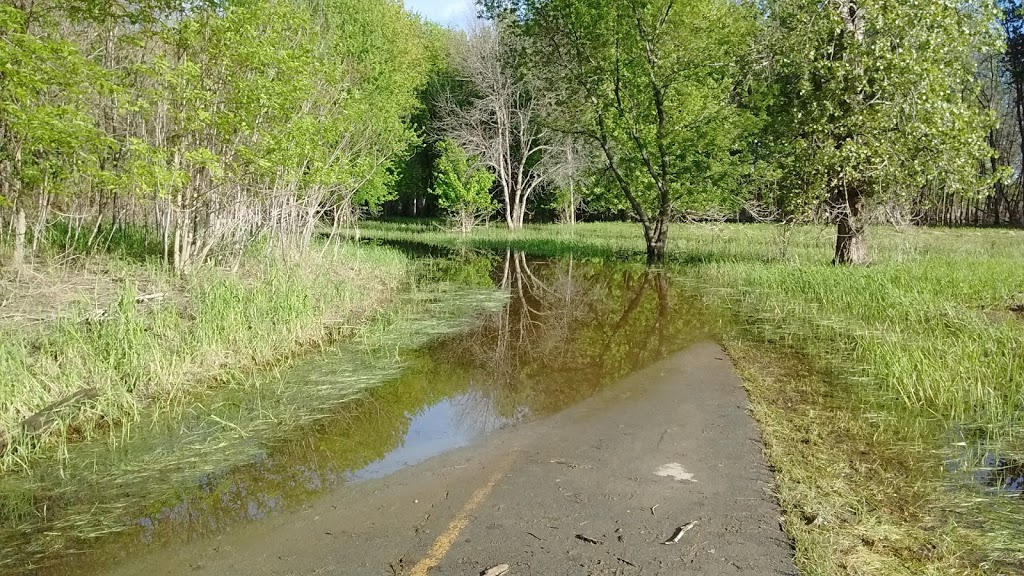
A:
(650, 83)
(884, 103)
(216, 112)
(462, 184)
(48, 132)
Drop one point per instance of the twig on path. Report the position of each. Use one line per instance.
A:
(568, 464)
(679, 533)
(535, 536)
(626, 562)
(496, 570)
(587, 539)
(652, 509)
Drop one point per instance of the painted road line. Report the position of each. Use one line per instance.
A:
(447, 538)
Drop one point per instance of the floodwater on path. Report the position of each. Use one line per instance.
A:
(510, 339)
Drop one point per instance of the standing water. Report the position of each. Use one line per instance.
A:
(516, 339)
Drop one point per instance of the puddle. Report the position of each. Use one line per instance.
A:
(451, 423)
(531, 338)
(989, 471)
(976, 462)
(1003, 475)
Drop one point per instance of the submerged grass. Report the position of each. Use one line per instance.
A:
(127, 356)
(891, 397)
(152, 468)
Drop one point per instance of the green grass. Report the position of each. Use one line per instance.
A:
(880, 390)
(208, 436)
(212, 325)
(708, 243)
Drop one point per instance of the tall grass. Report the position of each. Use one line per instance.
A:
(145, 469)
(916, 385)
(211, 324)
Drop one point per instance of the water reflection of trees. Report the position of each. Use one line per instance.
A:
(571, 327)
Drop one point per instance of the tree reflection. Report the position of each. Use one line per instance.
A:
(572, 327)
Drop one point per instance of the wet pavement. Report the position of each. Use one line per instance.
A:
(596, 489)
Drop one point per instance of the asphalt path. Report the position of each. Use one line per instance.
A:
(595, 490)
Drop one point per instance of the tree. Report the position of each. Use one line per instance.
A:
(874, 102)
(571, 162)
(1012, 20)
(47, 135)
(463, 186)
(204, 124)
(502, 122)
(650, 84)
(997, 96)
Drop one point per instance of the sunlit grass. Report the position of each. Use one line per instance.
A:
(711, 242)
(213, 324)
(175, 445)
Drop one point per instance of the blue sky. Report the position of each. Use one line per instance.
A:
(448, 12)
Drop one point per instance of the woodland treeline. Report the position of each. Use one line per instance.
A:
(202, 125)
(197, 129)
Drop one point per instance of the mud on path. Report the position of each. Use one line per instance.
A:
(596, 489)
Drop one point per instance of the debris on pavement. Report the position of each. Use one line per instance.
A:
(679, 533)
(626, 562)
(587, 539)
(496, 570)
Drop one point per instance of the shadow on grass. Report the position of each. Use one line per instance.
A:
(420, 240)
(123, 241)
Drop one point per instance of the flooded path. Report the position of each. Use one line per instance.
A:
(660, 473)
(510, 340)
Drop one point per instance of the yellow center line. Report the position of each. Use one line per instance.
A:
(447, 538)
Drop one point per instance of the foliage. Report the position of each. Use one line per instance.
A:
(463, 185)
(210, 123)
(871, 100)
(650, 84)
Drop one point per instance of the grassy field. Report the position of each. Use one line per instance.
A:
(891, 397)
(85, 347)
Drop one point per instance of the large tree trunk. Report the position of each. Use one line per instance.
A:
(516, 216)
(851, 245)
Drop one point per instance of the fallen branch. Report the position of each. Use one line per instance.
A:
(679, 533)
(104, 313)
(156, 296)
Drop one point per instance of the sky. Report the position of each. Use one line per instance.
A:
(447, 12)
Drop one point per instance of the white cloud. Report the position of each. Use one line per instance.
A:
(446, 12)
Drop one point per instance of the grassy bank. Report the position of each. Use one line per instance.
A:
(109, 337)
(890, 397)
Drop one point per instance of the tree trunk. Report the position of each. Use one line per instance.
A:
(997, 189)
(851, 247)
(571, 210)
(657, 240)
(516, 216)
(20, 229)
